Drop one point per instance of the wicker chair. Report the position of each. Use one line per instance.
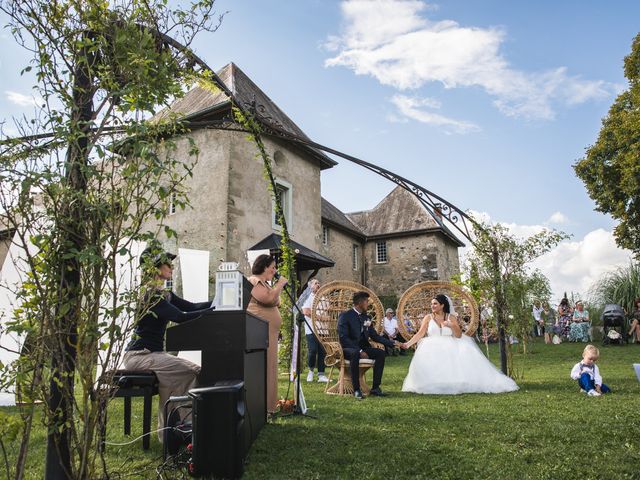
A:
(415, 303)
(330, 301)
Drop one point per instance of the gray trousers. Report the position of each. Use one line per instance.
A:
(176, 376)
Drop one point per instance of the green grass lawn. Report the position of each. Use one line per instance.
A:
(545, 430)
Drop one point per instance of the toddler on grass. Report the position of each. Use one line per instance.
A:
(588, 374)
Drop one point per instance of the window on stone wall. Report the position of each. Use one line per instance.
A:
(381, 252)
(284, 192)
(325, 235)
(168, 285)
(354, 256)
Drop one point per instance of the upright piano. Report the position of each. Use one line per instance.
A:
(234, 347)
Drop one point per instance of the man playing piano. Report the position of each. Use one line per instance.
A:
(176, 376)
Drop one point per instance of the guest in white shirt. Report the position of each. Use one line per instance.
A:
(538, 326)
(315, 352)
(391, 331)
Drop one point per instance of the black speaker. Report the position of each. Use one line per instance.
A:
(218, 436)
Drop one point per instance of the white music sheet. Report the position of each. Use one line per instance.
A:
(13, 271)
(194, 273)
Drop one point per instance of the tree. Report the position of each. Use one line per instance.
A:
(498, 272)
(79, 185)
(610, 169)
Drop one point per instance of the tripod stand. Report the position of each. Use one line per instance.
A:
(300, 319)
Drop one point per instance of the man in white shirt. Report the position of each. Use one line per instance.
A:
(391, 331)
(315, 352)
(537, 317)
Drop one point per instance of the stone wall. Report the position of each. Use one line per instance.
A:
(339, 249)
(203, 224)
(250, 206)
(231, 207)
(410, 260)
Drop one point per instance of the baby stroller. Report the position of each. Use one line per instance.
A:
(613, 323)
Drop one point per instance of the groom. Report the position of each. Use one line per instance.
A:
(354, 330)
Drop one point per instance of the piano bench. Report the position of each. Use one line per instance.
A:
(133, 383)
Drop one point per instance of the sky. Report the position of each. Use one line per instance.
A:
(486, 103)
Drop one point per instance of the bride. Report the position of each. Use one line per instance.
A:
(448, 362)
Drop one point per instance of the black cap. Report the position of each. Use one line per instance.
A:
(156, 257)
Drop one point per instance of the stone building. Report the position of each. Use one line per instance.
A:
(389, 248)
(231, 209)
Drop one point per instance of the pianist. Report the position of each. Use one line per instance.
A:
(176, 376)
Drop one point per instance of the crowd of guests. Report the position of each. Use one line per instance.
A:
(572, 323)
(566, 323)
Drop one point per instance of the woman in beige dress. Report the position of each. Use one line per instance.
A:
(264, 303)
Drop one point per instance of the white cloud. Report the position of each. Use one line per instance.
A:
(414, 108)
(558, 218)
(574, 265)
(394, 42)
(21, 99)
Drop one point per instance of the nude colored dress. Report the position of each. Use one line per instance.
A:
(271, 314)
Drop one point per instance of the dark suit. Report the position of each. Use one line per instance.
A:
(354, 337)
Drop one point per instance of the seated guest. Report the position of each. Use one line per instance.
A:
(391, 332)
(264, 303)
(354, 331)
(176, 376)
(579, 328)
(408, 324)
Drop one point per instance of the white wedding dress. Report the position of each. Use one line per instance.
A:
(444, 364)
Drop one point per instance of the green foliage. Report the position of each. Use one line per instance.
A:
(498, 274)
(389, 301)
(94, 177)
(621, 286)
(610, 169)
(286, 266)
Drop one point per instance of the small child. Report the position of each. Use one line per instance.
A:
(587, 373)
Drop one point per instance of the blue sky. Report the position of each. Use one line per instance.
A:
(487, 103)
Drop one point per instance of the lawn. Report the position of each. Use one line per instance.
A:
(545, 430)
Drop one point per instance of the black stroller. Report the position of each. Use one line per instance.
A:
(613, 322)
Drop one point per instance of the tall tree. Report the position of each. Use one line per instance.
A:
(499, 270)
(80, 183)
(611, 167)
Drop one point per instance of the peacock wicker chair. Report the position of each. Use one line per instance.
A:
(330, 301)
(415, 303)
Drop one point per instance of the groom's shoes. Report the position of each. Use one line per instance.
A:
(376, 392)
(358, 394)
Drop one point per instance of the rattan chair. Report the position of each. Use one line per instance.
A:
(415, 303)
(330, 301)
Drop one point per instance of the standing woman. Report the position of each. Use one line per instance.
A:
(264, 303)
(565, 315)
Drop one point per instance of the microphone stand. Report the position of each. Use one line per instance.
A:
(300, 319)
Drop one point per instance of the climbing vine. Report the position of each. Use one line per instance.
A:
(286, 266)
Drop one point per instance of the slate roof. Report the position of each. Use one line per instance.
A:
(201, 104)
(334, 216)
(399, 213)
